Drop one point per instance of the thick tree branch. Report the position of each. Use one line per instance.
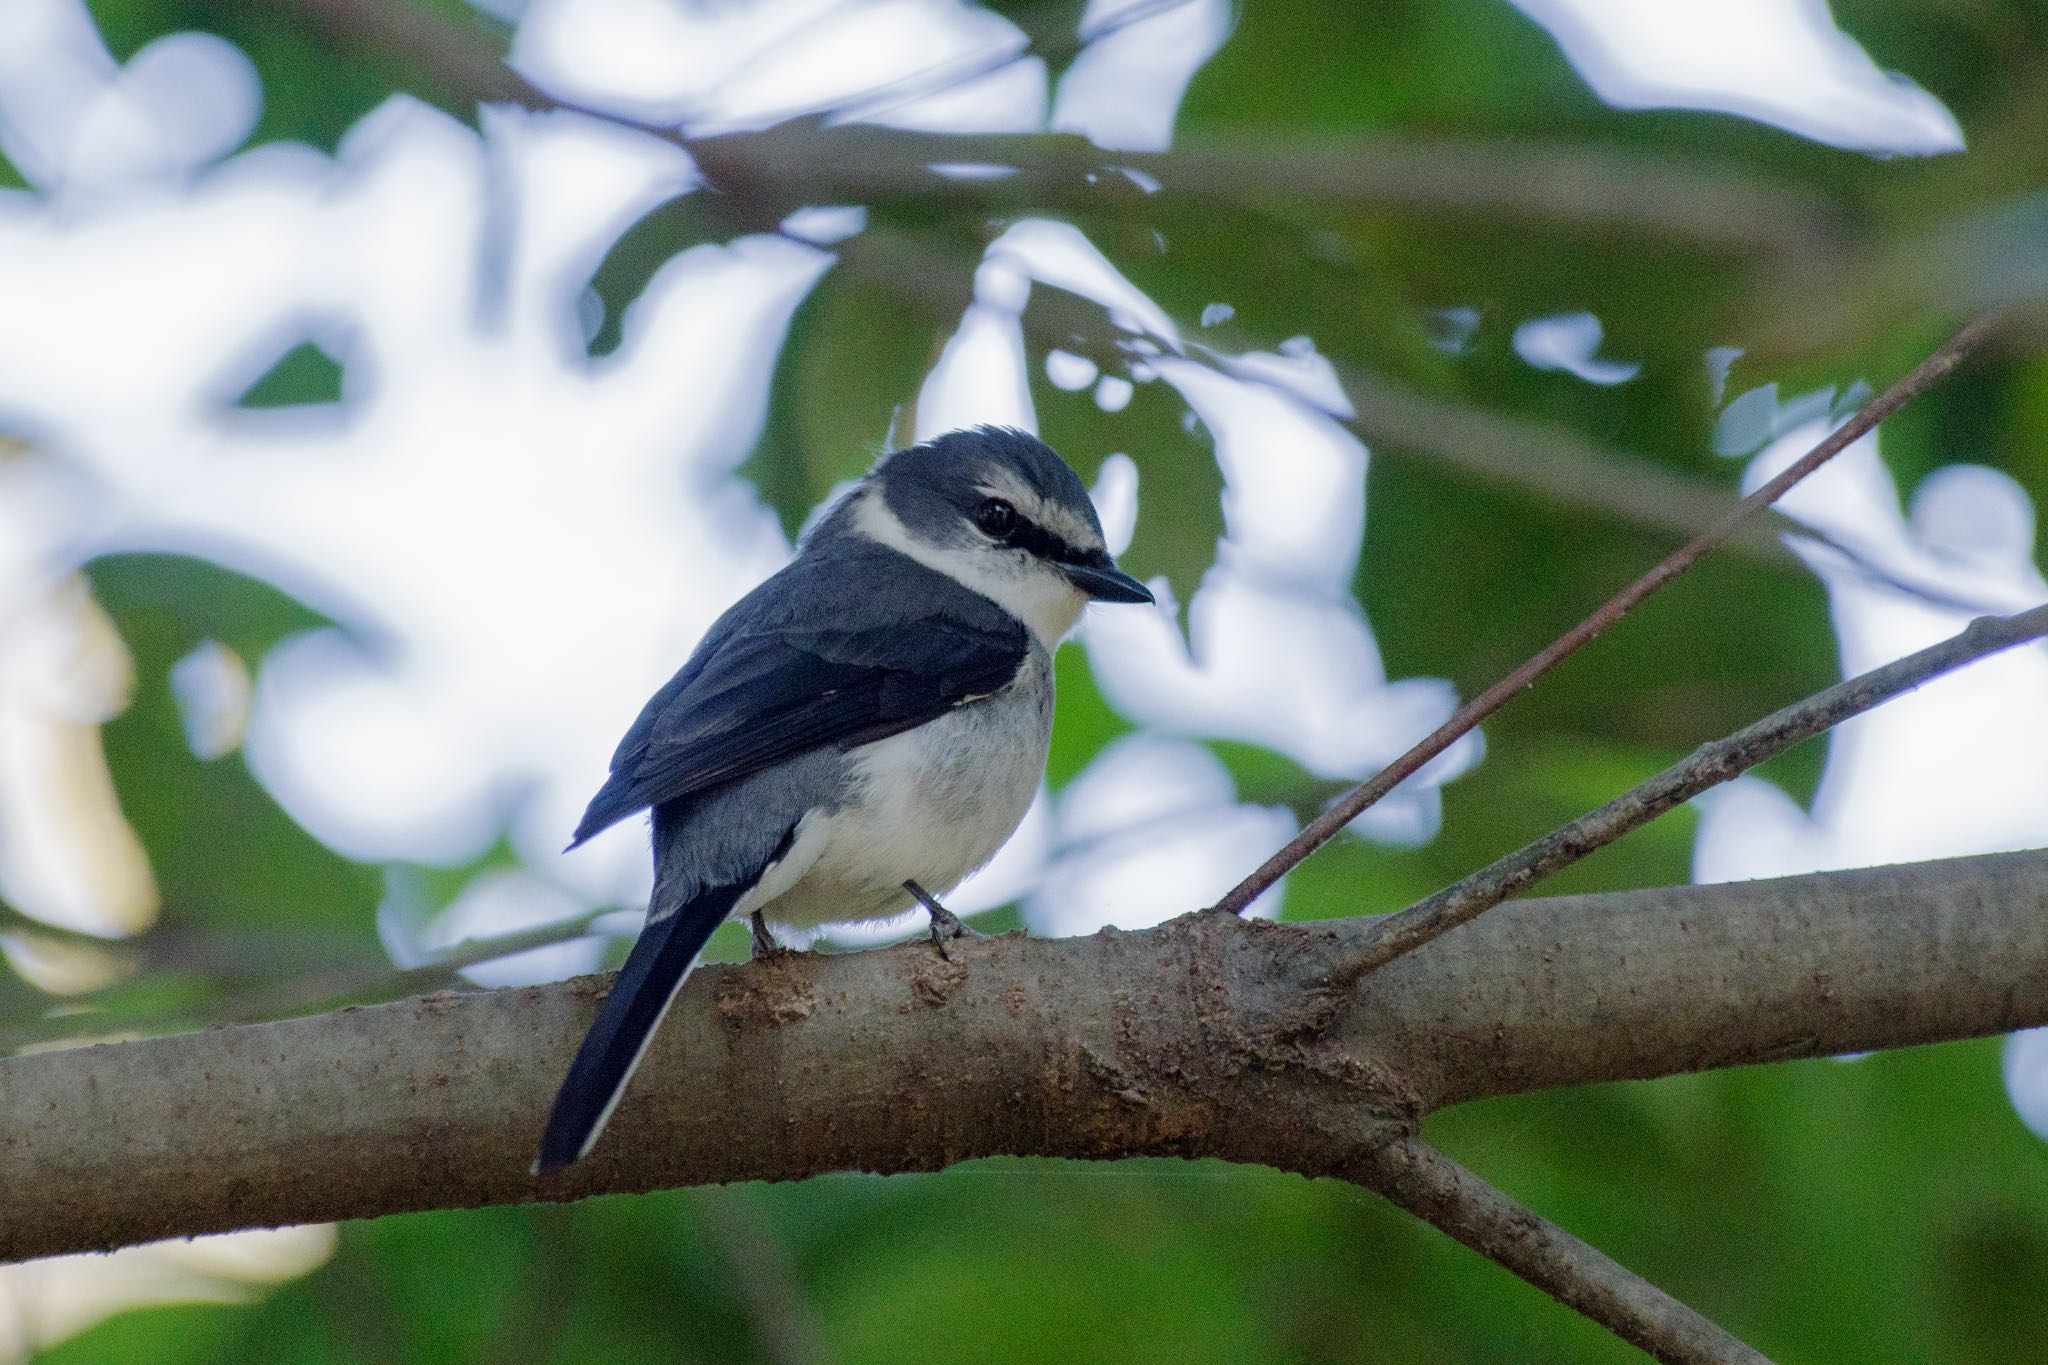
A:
(1633, 985)
(1205, 1037)
(1708, 766)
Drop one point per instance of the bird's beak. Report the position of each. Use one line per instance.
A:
(1103, 581)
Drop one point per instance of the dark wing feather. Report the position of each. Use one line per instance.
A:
(783, 674)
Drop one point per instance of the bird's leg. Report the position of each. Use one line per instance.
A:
(945, 924)
(764, 942)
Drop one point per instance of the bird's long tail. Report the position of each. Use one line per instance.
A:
(646, 985)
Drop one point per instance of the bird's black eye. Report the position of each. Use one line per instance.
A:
(996, 518)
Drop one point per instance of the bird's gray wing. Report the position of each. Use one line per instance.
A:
(766, 687)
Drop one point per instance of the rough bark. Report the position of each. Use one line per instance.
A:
(1204, 1037)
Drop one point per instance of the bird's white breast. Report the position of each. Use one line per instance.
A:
(930, 805)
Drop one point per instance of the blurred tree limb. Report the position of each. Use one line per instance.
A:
(241, 979)
(1587, 187)
(1209, 1036)
(806, 160)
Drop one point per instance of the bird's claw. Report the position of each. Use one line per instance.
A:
(944, 923)
(764, 942)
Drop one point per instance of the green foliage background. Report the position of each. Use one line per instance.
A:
(1889, 1209)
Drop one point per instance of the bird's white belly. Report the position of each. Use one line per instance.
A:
(930, 806)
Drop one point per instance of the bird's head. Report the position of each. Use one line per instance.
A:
(999, 511)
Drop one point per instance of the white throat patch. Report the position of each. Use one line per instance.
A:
(1039, 596)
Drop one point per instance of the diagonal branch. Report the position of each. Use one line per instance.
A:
(454, 53)
(1707, 767)
(1444, 1194)
(1354, 803)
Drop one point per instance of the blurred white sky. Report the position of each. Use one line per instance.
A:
(521, 545)
(1776, 61)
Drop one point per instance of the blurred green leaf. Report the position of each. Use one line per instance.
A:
(304, 374)
(654, 239)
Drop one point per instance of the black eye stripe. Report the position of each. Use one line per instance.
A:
(1003, 522)
(1035, 539)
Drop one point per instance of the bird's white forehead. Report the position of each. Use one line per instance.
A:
(1068, 523)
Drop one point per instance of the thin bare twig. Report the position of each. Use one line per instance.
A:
(1440, 1192)
(443, 971)
(1708, 766)
(1325, 826)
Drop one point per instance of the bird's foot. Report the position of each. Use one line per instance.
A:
(764, 942)
(945, 924)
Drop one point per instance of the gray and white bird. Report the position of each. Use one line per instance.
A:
(865, 728)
